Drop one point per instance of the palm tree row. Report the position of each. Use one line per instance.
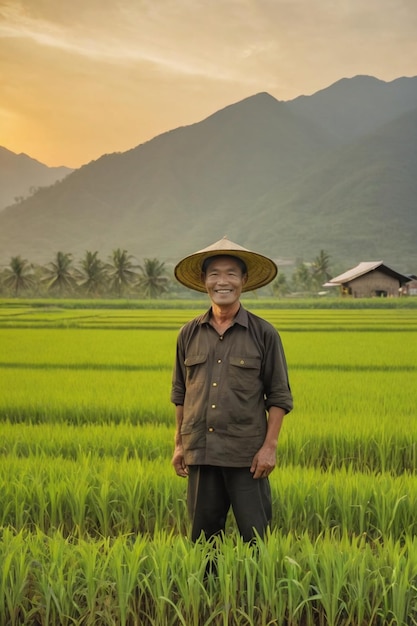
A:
(119, 276)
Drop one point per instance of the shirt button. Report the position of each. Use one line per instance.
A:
(211, 429)
(242, 362)
(214, 384)
(221, 337)
(219, 360)
(213, 406)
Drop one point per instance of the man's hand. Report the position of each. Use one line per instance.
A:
(179, 463)
(264, 461)
(178, 460)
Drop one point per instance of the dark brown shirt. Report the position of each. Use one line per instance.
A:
(226, 383)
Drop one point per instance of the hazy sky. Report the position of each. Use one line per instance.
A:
(81, 78)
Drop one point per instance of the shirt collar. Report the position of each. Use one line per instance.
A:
(241, 317)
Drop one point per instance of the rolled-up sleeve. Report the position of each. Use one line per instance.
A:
(178, 375)
(276, 382)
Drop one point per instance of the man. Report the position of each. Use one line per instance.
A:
(231, 392)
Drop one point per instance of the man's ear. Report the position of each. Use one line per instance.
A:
(245, 278)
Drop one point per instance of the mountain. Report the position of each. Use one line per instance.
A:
(272, 175)
(359, 201)
(21, 176)
(351, 108)
(194, 180)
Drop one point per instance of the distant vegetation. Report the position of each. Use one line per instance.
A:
(121, 276)
(118, 277)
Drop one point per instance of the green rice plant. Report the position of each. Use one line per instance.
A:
(285, 579)
(53, 581)
(332, 302)
(329, 575)
(15, 568)
(148, 441)
(399, 580)
(62, 377)
(362, 604)
(94, 588)
(109, 397)
(99, 517)
(112, 496)
(366, 447)
(116, 319)
(97, 496)
(328, 393)
(369, 446)
(378, 505)
(283, 591)
(49, 348)
(124, 567)
(160, 585)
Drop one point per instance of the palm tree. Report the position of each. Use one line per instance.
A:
(18, 275)
(58, 274)
(153, 280)
(120, 271)
(320, 268)
(280, 286)
(302, 277)
(92, 273)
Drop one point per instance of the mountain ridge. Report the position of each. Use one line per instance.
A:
(21, 175)
(262, 170)
(351, 107)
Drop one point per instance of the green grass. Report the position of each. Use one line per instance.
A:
(93, 524)
(252, 301)
(98, 495)
(285, 580)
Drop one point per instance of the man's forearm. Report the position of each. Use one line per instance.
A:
(275, 418)
(179, 415)
(178, 460)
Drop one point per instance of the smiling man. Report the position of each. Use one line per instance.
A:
(231, 392)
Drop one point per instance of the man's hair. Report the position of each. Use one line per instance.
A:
(210, 259)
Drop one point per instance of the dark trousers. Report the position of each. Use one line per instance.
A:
(211, 492)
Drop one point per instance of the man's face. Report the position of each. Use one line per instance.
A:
(224, 281)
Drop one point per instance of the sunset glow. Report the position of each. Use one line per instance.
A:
(83, 79)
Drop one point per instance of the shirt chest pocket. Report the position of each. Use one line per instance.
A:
(196, 369)
(244, 372)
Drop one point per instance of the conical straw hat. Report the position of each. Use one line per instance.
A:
(261, 270)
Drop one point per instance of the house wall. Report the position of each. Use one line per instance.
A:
(411, 288)
(374, 284)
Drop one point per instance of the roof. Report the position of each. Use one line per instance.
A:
(364, 268)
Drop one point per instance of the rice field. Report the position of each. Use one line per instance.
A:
(93, 522)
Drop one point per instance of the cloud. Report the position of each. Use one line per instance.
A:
(132, 57)
(245, 41)
(19, 24)
(150, 36)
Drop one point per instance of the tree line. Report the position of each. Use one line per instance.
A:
(121, 276)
